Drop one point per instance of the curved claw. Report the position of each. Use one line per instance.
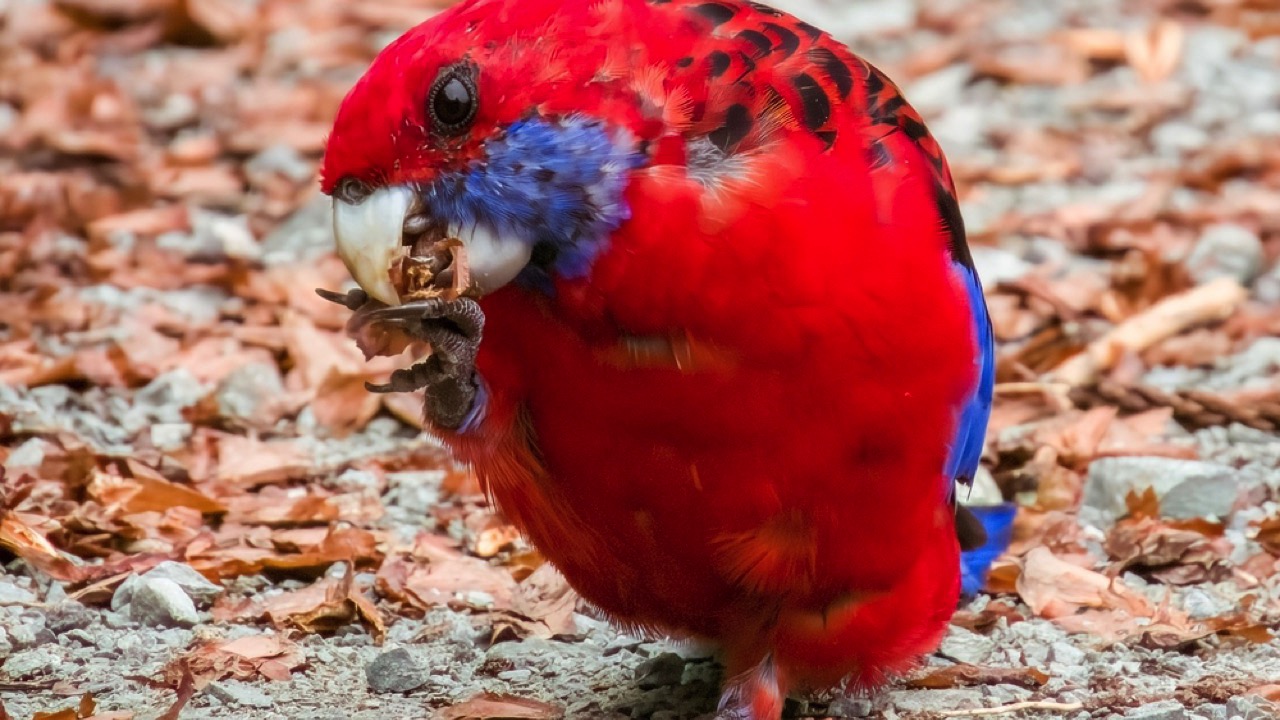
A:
(409, 313)
(352, 300)
(410, 379)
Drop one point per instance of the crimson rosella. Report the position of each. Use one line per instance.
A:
(716, 342)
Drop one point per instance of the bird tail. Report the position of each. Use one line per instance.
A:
(997, 522)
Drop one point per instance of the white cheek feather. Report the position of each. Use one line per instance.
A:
(493, 260)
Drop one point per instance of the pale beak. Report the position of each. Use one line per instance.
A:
(370, 239)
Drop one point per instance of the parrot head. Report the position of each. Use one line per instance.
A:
(472, 126)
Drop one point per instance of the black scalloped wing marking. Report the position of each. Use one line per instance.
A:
(787, 74)
(887, 107)
(812, 83)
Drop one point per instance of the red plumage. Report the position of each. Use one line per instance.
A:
(735, 426)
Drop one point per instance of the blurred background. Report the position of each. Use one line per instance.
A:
(172, 391)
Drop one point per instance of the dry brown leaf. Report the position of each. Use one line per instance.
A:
(967, 675)
(19, 538)
(343, 405)
(1267, 533)
(543, 608)
(436, 573)
(148, 494)
(986, 619)
(1172, 555)
(321, 607)
(1054, 588)
(339, 545)
(249, 462)
(246, 658)
(488, 706)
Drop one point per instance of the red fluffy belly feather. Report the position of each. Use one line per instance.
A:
(802, 508)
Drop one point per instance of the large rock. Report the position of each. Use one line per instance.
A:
(1186, 488)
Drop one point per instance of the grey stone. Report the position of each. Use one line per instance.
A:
(850, 708)
(229, 234)
(170, 436)
(935, 701)
(31, 663)
(1226, 250)
(1212, 712)
(1163, 710)
(124, 592)
(80, 637)
(14, 594)
(118, 620)
(161, 602)
(1007, 694)
(195, 585)
(395, 671)
(1250, 707)
(966, 645)
(234, 692)
(305, 235)
(29, 631)
(516, 676)
(1267, 287)
(1201, 604)
(1066, 653)
(1186, 488)
(660, 671)
(938, 90)
(176, 110)
(245, 392)
(281, 159)
(996, 265)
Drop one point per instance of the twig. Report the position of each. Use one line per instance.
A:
(1193, 408)
(1212, 301)
(1014, 707)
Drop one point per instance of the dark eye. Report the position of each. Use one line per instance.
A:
(452, 102)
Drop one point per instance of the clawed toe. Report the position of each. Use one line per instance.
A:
(409, 379)
(352, 300)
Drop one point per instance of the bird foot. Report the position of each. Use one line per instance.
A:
(453, 393)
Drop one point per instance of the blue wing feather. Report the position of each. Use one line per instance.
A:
(971, 430)
(966, 451)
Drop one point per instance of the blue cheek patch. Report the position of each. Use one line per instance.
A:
(553, 183)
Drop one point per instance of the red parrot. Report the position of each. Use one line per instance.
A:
(726, 355)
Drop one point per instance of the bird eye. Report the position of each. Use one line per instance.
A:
(452, 101)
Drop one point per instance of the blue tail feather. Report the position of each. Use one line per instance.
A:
(997, 520)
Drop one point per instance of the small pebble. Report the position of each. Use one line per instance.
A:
(161, 602)
(233, 692)
(1226, 250)
(660, 671)
(395, 671)
(1163, 710)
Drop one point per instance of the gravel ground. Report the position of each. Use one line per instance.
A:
(1073, 127)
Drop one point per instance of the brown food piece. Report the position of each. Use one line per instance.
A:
(433, 269)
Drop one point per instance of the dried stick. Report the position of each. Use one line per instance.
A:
(1212, 301)
(1014, 707)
